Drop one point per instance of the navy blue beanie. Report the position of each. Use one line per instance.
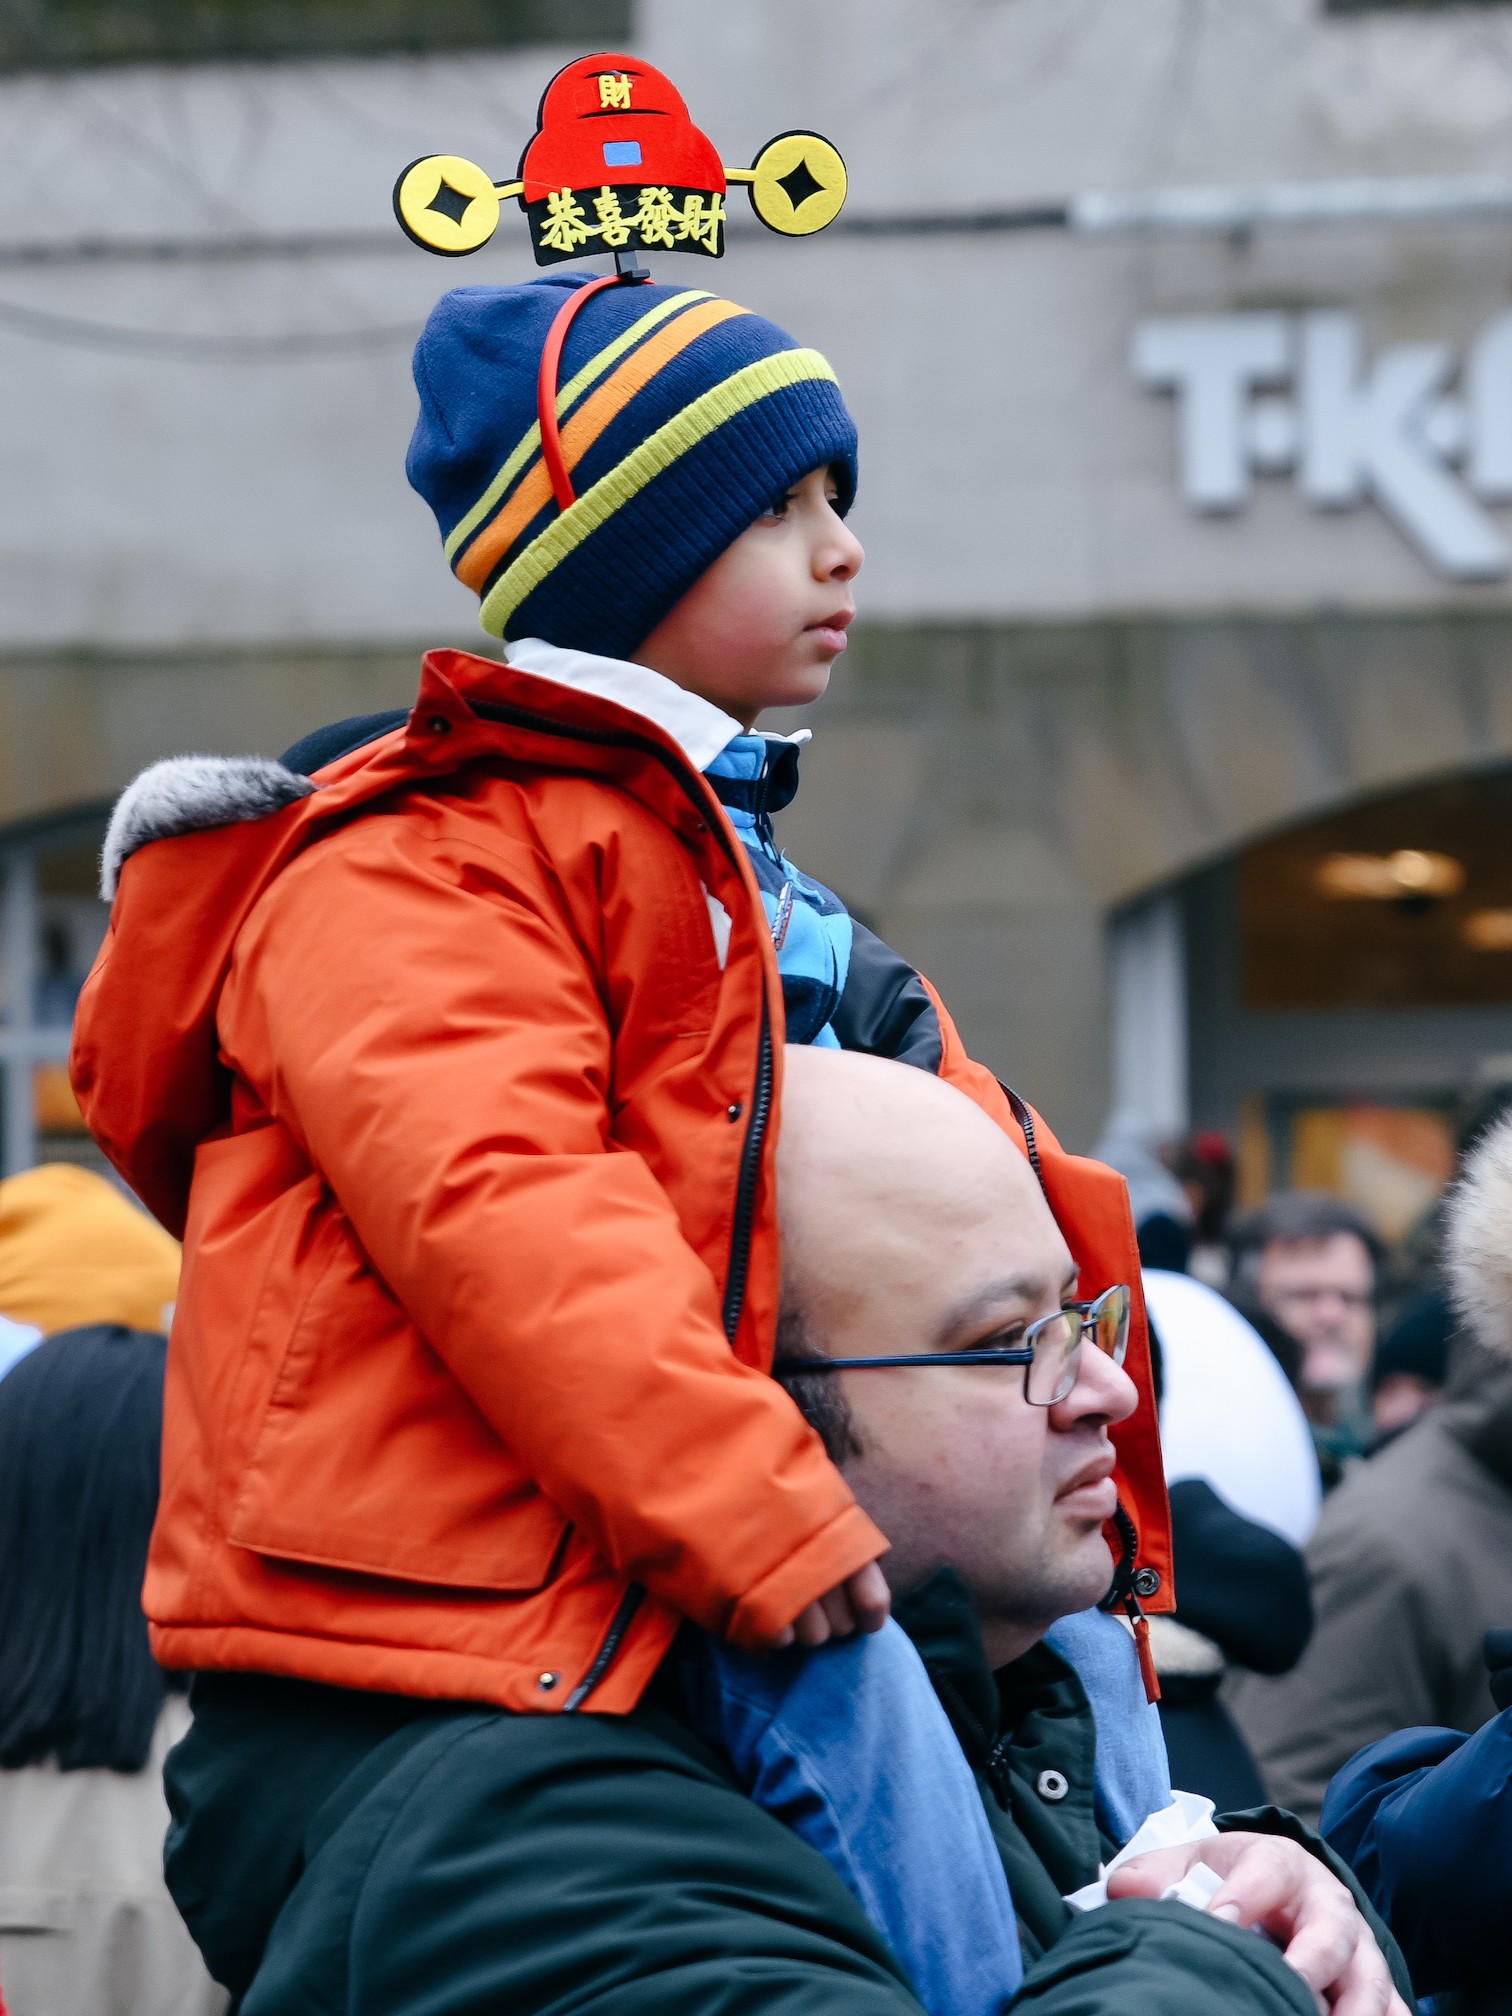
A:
(681, 416)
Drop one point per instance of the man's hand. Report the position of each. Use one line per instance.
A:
(861, 1602)
(1276, 1885)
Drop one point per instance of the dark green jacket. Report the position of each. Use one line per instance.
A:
(1033, 1718)
(376, 1857)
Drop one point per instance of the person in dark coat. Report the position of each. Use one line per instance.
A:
(1242, 1590)
(1424, 1819)
(86, 1715)
(1243, 1599)
(1412, 1560)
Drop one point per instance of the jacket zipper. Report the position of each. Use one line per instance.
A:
(619, 1624)
(750, 1154)
(1025, 1120)
(745, 1188)
(997, 1769)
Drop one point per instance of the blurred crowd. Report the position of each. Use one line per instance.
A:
(87, 1285)
(1339, 1449)
(1338, 1444)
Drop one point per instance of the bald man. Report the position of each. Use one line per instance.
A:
(617, 1865)
(913, 1230)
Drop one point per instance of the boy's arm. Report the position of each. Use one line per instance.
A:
(430, 1030)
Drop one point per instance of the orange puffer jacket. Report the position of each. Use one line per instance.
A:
(469, 1138)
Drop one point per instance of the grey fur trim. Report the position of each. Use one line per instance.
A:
(1180, 1652)
(191, 794)
(1478, 1240)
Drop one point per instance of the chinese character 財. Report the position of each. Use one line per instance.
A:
(614, 91)
(701, 225)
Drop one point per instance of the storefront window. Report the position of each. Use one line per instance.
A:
(51, 926)
(1349, 993)
(1401, 903)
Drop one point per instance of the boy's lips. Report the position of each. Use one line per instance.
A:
(830, 630)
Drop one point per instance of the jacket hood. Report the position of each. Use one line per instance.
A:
(1478, 1241)
(193, 794)
(196, 840)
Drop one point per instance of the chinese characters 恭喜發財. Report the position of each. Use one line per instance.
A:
(658, 219)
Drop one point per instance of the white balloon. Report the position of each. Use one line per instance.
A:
(1228, 1414)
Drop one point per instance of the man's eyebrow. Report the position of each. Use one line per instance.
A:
(988, 1299)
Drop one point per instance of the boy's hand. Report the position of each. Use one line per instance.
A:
(861, 1602)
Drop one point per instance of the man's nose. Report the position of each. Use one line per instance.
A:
(1334, 1307)
(1103, 1391)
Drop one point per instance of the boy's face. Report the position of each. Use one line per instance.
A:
(764, 625)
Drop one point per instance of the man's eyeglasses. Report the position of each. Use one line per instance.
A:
(1049, 1354)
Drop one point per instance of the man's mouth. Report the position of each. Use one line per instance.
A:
(1091, 1489)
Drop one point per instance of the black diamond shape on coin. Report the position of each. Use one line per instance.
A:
(450, 202)
(798, 185)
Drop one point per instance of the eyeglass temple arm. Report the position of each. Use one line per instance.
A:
(912, 1358)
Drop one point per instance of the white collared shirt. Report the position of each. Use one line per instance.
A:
(697, 726)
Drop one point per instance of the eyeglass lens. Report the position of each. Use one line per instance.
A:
(1056, 1341)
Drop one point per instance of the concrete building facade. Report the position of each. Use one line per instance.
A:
(1178, 536)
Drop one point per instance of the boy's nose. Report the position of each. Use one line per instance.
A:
(840, 559)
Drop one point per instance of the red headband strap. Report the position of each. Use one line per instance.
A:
(546, 383)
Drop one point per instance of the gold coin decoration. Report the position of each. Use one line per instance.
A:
(446, 204)
(798, 184)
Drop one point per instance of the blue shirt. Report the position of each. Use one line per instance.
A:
(754, 776)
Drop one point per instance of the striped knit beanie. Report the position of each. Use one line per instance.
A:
(681, 418)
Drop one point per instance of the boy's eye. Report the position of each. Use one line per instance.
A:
(779, 506)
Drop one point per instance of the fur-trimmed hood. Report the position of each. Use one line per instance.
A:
(1478, 1241)
(193, 794)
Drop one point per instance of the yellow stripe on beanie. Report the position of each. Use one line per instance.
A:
(602, 407)
(576, 386)
(652, 458)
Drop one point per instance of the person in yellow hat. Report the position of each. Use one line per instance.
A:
(74, 1250)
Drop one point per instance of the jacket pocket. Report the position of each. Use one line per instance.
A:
(369, 1456)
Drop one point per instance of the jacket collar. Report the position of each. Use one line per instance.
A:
(750, 772)
(940, 1616)
(699, 728)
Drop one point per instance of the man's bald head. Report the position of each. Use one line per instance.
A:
(884, 1171)
(912, 1225)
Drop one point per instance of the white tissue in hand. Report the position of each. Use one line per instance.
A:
(1188, 1818)
(1198, 1887)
